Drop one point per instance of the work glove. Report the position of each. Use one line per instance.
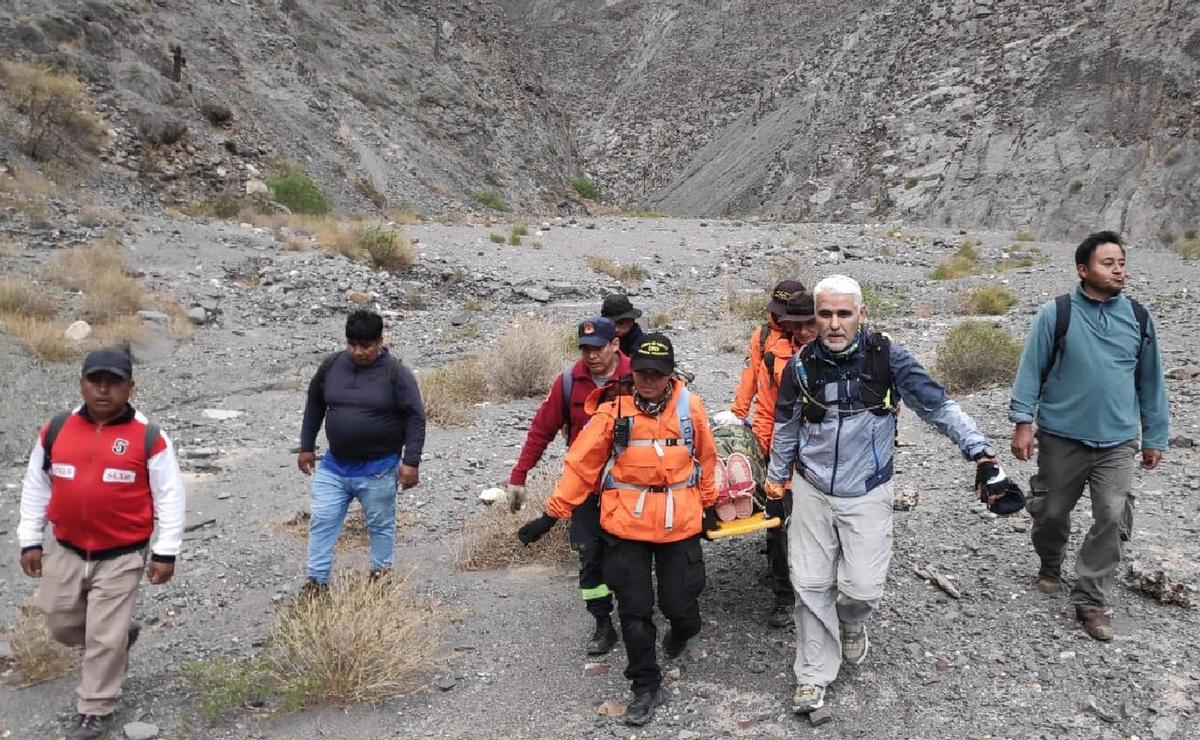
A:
(777, 508)
(726, 419)
(535, 529)
(774, 491)
(514, 495)
(710, 522)
(994, 488)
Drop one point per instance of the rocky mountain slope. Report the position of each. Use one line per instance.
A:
(1049, 116)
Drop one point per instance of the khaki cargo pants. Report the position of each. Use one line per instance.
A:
(90, 604)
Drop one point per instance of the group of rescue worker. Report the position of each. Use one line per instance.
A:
(821, 393)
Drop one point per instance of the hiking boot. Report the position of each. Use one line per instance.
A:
(91, 727)
(641, 709)
(781, 616)
(312, 589)
(673, 647)
(854, 645)
(135, 630)
(1049, 581)
(603, 638)
(1095, 622)
(808, 698)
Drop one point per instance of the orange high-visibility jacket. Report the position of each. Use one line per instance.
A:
(655, 490)
(763, 423)
(747, 385)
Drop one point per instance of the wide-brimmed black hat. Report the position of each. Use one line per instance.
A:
(617, 307)
(799, 308)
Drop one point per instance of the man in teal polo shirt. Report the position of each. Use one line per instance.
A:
(1091, 390)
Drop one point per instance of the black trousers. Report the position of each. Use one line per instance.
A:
(781, 582)
(588, 540)
(628, 567)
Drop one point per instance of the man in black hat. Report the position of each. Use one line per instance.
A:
(102, 474)
(617, 309)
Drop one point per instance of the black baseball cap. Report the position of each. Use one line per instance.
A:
(1010, 501)
(799, 308)
(654, 352)
(596, 332)
(617, 307)
(780, 295)
(108, 360)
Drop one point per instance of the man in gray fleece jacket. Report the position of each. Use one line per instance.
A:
(833, 440)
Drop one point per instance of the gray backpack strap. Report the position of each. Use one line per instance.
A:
(568, 385)
(152, 433)
(52, 430)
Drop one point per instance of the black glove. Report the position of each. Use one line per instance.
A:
(710, 522)
(535, 529)
(778, 507)
(985, 472)
(1001, 494)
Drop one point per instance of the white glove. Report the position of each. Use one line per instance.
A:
(726, 419)
(515, 496)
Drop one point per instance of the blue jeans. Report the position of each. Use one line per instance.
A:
(331, 495)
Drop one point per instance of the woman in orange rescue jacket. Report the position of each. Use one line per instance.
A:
(651, 454)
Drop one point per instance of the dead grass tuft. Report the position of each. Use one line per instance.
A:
(363, 641)
(41, 337)
(448, 392)
(37, 656)
(354, 536)
(526, 359)
(24, 298)
(631, 274)
(489, 539)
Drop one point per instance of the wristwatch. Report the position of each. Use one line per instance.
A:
(985, 452)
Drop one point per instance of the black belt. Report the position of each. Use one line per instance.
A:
(107, 554)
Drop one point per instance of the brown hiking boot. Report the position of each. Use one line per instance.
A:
(1095, 622)
(1048, 581)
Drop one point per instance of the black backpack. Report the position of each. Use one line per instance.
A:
(1062, 321)
(876, 380)
(56, 425)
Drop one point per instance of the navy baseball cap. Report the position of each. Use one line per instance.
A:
(108, 360)
(596, 332)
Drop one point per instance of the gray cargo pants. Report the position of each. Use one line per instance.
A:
(1064, 466)
(839, 550)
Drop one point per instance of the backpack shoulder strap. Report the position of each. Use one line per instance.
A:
(568, 386)
(152, 434)
(1143, 318)
(52, 430)
(394, 365)
(323, 368)
(879, 361)
(764, 331)
(683, 407)
(1062, 322)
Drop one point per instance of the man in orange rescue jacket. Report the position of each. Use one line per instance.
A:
(798, 327)
(761, 340)
(102, 475)
(654, 452)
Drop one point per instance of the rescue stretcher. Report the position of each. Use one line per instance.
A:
(739, 441)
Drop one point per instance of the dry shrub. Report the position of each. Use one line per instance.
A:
(747, 305)
(731, 338)
(404, 218)
(43, 338)
(92, 216)
(37, 656)
(632, 274)
(386, 248)
(976, 355)
(489, 539)
(77, 268)
(24, 298)
(60, 121)
(448, 392)
(123, 332)
(26, 184)
(363, 641)
(527, 357)
(989, 300)
(109, 295)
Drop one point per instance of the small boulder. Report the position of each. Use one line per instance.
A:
(491, 495)
(357, 297)
(140, 731)
(78, 331)
(197, 315)
(257, 187)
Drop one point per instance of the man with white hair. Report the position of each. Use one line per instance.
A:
(834, 431)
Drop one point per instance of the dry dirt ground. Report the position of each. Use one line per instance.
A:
(1001, 661)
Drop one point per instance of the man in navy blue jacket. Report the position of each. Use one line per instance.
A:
(375, 424)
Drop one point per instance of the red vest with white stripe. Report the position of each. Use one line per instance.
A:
(100, 483)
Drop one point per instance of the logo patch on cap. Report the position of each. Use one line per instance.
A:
(654, 349)
(589, 327)
(782, 295)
